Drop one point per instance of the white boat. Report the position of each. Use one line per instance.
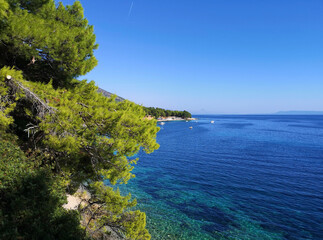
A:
(212, 121)
(161, 123)
(190, 127)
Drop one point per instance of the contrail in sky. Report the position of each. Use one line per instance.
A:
(130, 9)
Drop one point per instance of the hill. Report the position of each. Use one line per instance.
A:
(108, 94)
(155, 112)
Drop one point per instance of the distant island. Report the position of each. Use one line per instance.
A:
(299, 113)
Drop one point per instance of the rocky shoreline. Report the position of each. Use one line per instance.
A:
(172, 119)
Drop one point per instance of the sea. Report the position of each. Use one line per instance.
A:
(241, 177)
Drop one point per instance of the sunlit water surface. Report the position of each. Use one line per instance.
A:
(243, 177)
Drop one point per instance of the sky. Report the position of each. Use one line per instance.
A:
(210, 56)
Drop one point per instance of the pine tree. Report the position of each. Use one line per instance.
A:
(47, 42)
(77, 136)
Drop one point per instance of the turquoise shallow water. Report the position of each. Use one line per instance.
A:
(243, 177)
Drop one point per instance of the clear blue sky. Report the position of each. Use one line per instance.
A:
(211, 56)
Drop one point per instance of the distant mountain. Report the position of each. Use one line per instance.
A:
(108, 94)
(300, 113)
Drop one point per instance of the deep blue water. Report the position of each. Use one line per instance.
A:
(243, 177)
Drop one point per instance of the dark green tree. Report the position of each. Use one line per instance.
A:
(47, 42)
(186, 114)
(159, 112)
(31, 198)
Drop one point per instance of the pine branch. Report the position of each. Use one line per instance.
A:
(41, 107)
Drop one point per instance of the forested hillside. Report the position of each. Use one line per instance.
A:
(160, 112)
(155, 112)
(58, 134)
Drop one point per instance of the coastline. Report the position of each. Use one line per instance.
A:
(174, 119)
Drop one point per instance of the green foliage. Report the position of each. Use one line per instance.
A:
(7, 101)
(31, 199)
(136, 225)
(12, 162)
(51, 43)
(4, 6)
(30, 6)
(111, 211)
(87, 125)
(159, 112)
(58, 133)
(89, 137)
